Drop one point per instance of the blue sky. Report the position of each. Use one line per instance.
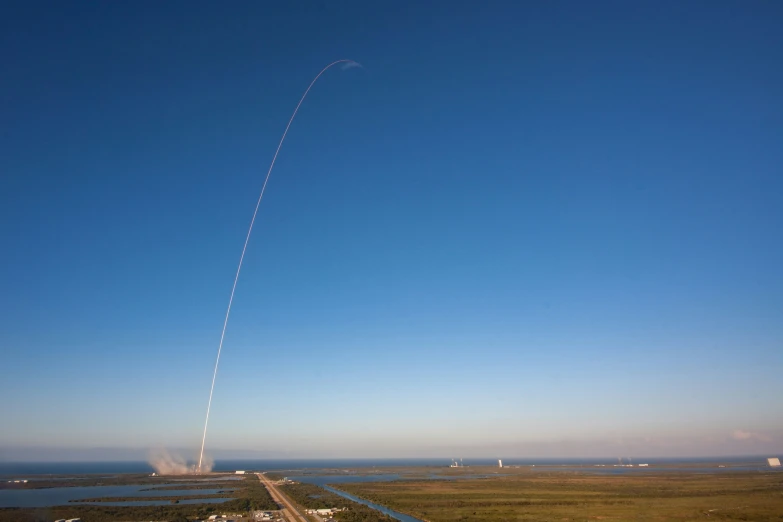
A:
(539, 229)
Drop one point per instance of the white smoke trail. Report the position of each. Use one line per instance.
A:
(347, 64)
(164, 463)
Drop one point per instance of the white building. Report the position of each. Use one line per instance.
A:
(773, 462)
(239, 472)
(500, 463)
(643, 465)
(323, 511)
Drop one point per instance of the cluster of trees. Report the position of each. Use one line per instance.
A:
(252, 497)
(360, 513)
(96, 513)
(313, 497)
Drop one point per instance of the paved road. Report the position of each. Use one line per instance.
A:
(289, 511)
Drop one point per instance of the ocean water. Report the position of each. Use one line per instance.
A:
(23, 469)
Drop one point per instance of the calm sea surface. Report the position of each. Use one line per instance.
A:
(70, 468)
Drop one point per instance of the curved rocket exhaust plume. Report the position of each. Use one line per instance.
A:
(346, 64)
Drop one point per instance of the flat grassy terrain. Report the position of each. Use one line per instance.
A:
(583, 496)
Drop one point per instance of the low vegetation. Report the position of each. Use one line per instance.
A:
(249, 495)
(62, 481)
(310, 496)
(581, 496)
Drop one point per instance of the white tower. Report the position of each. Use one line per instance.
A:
(500, 463)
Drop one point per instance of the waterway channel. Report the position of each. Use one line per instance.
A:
(324, 480)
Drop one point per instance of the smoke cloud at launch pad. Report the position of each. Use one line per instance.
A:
(165, 463)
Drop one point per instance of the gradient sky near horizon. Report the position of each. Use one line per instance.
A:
(522, 229)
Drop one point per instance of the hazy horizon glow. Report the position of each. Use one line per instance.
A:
(547, 230)
(704, 447)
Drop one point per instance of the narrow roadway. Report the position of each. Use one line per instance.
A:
(289, 511)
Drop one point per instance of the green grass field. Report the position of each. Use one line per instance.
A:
(582, 496)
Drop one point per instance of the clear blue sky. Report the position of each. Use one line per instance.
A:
(534, 229)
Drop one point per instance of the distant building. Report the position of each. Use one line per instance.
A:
(643, 465)
(500, 463)
(323, 511)
(239, 472)
(773, 462)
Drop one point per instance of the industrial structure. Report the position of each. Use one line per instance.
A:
(773, 462)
